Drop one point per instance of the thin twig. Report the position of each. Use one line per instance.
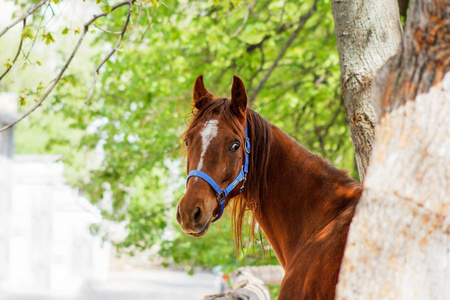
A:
(138, 18)
(32, 10)
(26, 55)
(36, 35)
(91, 92)
(17, 54)
(80, 40)
(301, 23)
(250, 7)
(150, 20)
(107, 31)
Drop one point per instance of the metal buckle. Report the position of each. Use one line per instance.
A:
(220, 197)
(243, 182)
(247, 145)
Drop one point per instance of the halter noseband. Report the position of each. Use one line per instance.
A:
(222, 193)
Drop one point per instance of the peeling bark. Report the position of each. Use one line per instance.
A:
(368, 33)
(399, 241)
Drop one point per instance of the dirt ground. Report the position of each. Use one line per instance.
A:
(136, 285)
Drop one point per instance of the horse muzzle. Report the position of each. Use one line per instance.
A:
(194, 215)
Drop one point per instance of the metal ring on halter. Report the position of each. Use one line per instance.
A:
(247, 145)
(243, 183)
(220, 197)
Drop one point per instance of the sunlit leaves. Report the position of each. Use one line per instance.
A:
(106, 8)
(27, 33)
(135, 121)
(40, 87)
(48, 38)
(8, 63)
(22, 101)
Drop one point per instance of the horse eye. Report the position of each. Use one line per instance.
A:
(186, 142)
(234, 147)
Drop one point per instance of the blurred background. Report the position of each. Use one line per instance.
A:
(88, 191)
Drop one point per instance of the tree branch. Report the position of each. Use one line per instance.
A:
(91, 92)
(32, 10)
(244, 22)
(80, 40)
(301, 23)
(107, 31)
(17, 54)
(150, 20)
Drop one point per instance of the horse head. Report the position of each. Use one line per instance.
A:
(216, 154)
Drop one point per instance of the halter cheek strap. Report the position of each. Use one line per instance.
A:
(222, 193)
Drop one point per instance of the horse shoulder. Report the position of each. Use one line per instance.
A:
(313, 271)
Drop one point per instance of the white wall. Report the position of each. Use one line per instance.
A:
(5, 198)
(45, 243)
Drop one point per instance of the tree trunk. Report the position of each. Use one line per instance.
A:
(368, 33)
(399, 241)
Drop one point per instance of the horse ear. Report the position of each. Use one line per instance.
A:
(238, 97)
(200, 95)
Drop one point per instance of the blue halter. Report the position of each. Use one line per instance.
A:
(222, 193)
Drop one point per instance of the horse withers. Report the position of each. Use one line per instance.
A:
(303, 203)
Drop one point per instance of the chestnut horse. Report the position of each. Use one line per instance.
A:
(303, 204)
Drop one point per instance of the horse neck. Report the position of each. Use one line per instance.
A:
(304, 194)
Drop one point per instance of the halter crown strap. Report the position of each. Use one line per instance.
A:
(222, 193)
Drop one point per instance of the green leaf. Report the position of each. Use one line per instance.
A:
(106, 8)
(48, 38)
(143, 97)
(8, 63)
(39, 87)
(65, 31)
(27, 33)
(22, 101)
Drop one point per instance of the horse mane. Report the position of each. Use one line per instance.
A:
(260, 136)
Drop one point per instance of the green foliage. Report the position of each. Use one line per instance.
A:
(216, 249)
(48, 38)
(274, 291)
(124, 139)
(27, 33)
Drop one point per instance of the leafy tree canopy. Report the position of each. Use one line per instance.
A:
(124, 145)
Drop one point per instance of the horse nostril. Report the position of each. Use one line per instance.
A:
(178, 215)
(197, 214)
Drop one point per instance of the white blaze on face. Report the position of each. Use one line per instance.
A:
(208, 132)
